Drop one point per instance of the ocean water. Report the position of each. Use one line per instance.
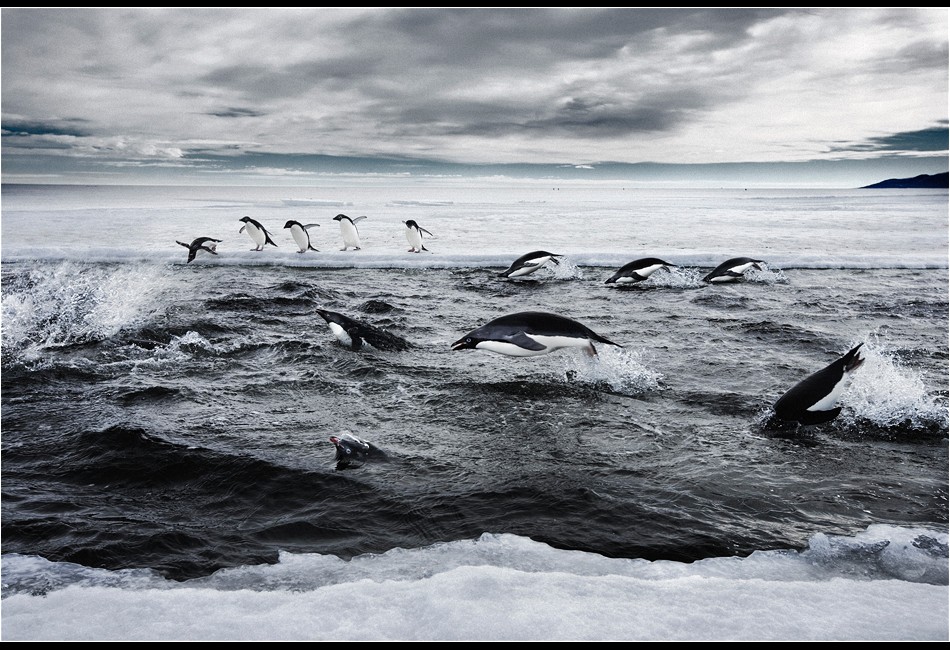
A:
(167, 471)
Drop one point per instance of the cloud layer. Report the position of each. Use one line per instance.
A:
(215, 88)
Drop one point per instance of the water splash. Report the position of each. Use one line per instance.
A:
(71, 303)
(621, 370)
(887, 394)
(766, 275)
(678, 277)
(566, 270)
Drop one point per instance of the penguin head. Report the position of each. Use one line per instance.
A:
(341, 217)
(468, 342)
(291, 224)
(350, 450)
(245, 219)
(411, 224)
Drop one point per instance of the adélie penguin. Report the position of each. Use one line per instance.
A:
(530, 334)
(813, 399)
(201, 244)
(529, 263)
(414, 236)
(732, 269)
(637, 271)
(353, 333)
(257, 232)
(299, 232)
(352, 452)
(351, 236)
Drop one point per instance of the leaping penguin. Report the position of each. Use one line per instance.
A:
(351, 236)
(300, 235)
(353, 333)
(200, 244)
(529, 263)
(414, 236)
(637, 271)
(258, 233)
(732, 270)
(530, 334)
(812, 400)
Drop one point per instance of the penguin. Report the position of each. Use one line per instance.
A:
(637, 271)
(351, 236)
(732, 270)
(812, 400)
(200, 244)
(257, 232)
(353, 452)
(300, 235)
(353, 333)
(530, 334)
(529, 263)
(414, 236)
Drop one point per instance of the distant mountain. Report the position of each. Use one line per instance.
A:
(935, 181)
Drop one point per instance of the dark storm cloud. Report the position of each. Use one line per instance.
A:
(22, 127)
(933, 139)
(236, 112)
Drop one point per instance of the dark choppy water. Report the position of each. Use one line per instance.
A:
(178, 416)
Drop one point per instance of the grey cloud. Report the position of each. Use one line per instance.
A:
(932, 139)
(237, 112)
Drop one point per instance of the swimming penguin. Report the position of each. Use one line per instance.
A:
(352, 333)
(257, 232)
(351, 236)
(201, 244)
(414, 236)
(300, 235)
(353, 452)
(637, 271)
(732, 270)
(530, 263)
(529, 334)
(812, 400)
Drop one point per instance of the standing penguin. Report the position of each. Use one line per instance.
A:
(351, 236)
(257, 232)
(414, 236)
(300, 234)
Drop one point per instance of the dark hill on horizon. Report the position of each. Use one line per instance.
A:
(923, 181)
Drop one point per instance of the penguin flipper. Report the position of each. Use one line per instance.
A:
(182, 244)
(356, 341)
(355, 219)
(522, 340)
(242, 229)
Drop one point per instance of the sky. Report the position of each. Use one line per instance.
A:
(299, 96)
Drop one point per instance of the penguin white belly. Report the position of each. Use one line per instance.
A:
(414, 237)
(257, 235)
(351, 236)
(828, 401)
(301, 238)
(341, 334)
(647, 271)
(550, 343)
